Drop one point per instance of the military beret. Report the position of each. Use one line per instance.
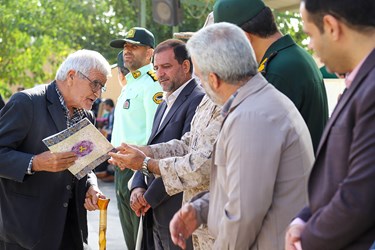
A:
(237, 11)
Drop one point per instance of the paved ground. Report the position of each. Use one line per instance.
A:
(115, 239)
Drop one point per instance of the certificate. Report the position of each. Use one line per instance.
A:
(86, 141)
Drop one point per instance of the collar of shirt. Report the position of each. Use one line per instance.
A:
(350, 77)
(78, 114)
(280, 44)
(142, 71)
(172, 97)
(228, 104)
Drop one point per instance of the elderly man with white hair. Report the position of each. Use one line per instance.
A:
(42, 205)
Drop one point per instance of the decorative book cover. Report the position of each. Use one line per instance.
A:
(86, 141)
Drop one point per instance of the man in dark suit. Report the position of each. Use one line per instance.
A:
(340, 214)
(172, 119)
(42, 205)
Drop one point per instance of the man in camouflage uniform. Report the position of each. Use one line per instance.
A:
(183, 164)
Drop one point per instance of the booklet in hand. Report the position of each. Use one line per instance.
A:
(86, 141)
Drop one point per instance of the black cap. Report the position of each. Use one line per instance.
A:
(135, 35)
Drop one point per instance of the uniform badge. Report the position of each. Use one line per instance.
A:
(136, 74)
(126, 104)
(158, 97)
(130, 33)
(153, 75)
(262, 65)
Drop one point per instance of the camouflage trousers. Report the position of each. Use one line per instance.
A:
(203, 241)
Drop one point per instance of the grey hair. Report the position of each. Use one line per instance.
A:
(223, 48)
(83, 61)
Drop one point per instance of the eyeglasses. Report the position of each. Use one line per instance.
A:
(95, 85)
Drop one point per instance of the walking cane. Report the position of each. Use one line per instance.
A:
(102, 204)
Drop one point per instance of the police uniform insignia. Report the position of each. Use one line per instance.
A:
(130, 33)
(126, 104)
(136, 74)
(153, 75)
(158, 97)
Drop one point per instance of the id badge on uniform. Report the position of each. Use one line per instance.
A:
(126, 104)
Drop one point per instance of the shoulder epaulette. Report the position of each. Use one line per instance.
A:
(152, 74)
(263, 65)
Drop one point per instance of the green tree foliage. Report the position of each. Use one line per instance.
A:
(290, 23)
(36, 35)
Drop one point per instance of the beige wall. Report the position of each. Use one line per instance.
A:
(334, 88)
(113, 86)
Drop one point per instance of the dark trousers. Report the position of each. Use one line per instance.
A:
(72, 239)
(148, 237)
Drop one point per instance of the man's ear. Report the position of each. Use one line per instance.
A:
(214, 80)
(70, 76)
(150, 53)
(332, 27)
(186, 65)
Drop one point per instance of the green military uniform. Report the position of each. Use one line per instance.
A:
(285, 65)
(134, 114)
(327, 74)
(293, 71)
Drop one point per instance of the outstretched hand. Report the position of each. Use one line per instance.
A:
(127, 157)
(183, 224)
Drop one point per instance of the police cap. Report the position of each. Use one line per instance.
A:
(135, 35)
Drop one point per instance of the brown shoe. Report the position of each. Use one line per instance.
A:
(109, 178)
(101, 174)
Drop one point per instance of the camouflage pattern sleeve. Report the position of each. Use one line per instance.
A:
(171, 148)
(191, 173)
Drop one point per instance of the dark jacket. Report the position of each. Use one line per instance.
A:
(341, 207)
(33, 208)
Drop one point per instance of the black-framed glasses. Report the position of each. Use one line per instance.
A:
(95, 85)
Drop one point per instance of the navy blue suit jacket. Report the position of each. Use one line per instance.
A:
(174, 126)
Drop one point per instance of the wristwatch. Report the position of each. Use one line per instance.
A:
(29, 167)
(144, 168)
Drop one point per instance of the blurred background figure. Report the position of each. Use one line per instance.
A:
(105, 171)
(108, 116)
(121, 69)
(20, 88)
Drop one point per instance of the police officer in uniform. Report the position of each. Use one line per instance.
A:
(134, 113)
(283, 63)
